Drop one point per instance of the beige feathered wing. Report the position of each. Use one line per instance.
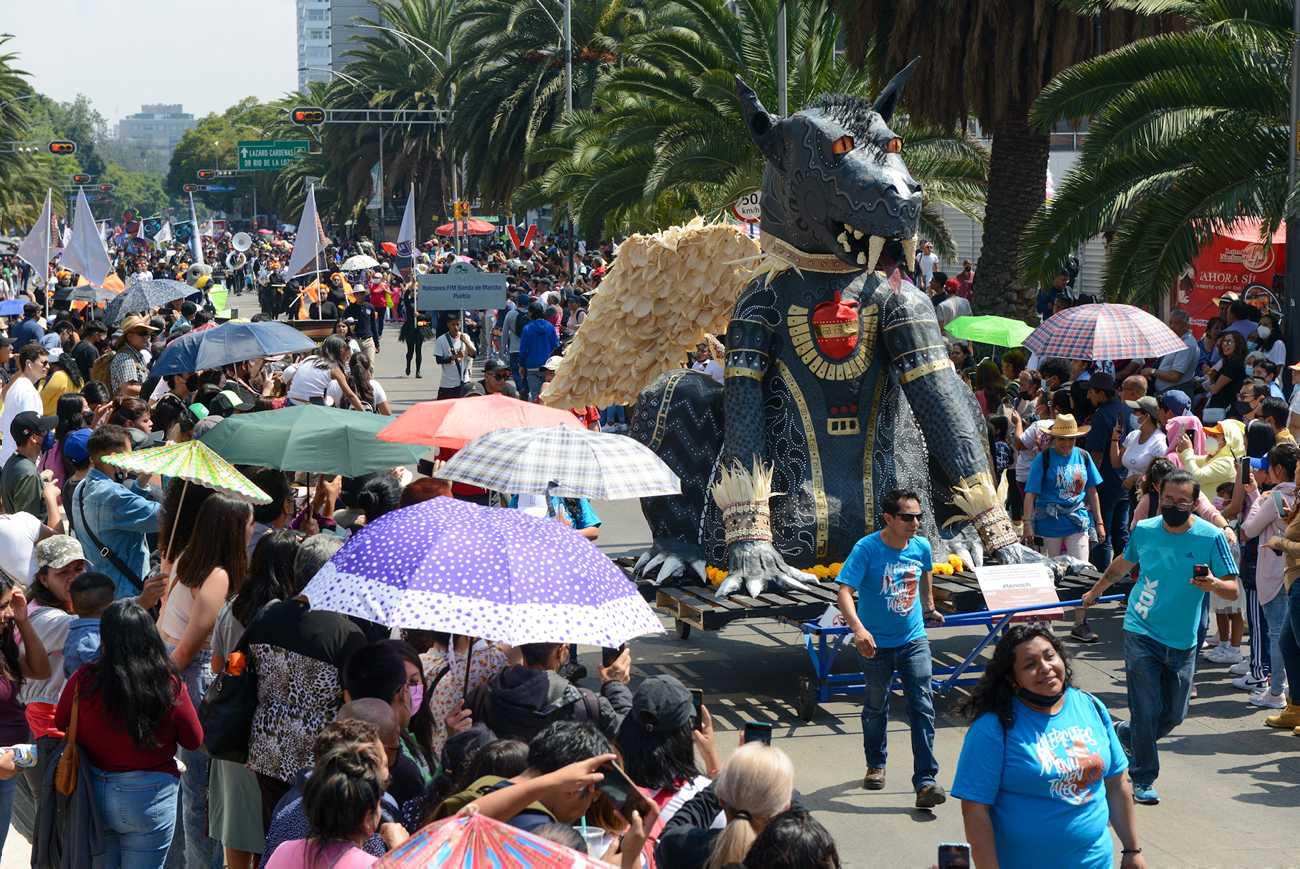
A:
(664, 292)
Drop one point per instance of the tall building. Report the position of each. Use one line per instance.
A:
(146, 139)
(327, 31)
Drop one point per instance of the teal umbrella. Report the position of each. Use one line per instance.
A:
(998, 331)
(310, 438)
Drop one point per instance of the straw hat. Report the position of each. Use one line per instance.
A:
(134, 323)
(1064, 426)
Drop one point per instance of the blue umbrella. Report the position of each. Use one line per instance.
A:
(12, 307)
(230, 343)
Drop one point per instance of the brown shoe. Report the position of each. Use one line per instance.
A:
(874, 780)
(930, 796)
(1288, 717)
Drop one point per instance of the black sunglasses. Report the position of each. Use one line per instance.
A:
(908, 517)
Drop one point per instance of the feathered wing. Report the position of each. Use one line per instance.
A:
(664, 292)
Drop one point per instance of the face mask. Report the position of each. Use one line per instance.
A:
(1175, 517)
(1212, 446)
(417, 697)
(1045, 701)
(1134, 421)
(1252, 345)
(1218, 503)
(1263, 332)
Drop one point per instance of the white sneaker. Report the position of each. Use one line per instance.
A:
(1210, 642)
(1245, 683)
(1241, 668)
(1224, 654)
(1268, 700)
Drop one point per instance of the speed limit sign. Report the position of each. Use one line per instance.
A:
(747, 208)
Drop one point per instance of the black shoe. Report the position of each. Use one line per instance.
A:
(1084, 634)
(417, 375)
(408, 370)
(573, 671)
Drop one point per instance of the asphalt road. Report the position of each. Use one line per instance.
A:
(1230, 787)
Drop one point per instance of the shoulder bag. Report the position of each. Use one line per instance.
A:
(226, 712)
(103, 550)
(65, 774)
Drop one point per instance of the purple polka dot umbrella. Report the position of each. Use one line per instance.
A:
(451, 566)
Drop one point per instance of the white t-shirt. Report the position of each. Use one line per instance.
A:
(1137, 457)
(18, 535)
(927, 262)
(334, 393)
(456, 372)
(1032, 439)
(711, 367)
(950, 309)
(22, 396)
(307, 381)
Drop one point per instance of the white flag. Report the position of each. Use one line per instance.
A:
(406, 234)
(310, 239)
(85, 253)
(164, 235)
(41, 243)
(196, 240)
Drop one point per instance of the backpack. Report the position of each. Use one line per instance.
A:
(521, 320)
(100, 370)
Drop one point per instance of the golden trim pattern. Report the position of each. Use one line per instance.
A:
(868, 488)
(801, 259)
(923, 370)
(820, 508)
(799, 326)
(662, 416)
(734, 371)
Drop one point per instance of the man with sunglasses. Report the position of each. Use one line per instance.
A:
(890, 571)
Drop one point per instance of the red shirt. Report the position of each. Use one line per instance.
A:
(462, 489)
(107, 744)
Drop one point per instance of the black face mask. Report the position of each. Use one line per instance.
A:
(1045, 701)
(1175, 517)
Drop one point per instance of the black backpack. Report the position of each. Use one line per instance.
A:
(521, 320)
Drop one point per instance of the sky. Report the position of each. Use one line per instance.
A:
(124, 53)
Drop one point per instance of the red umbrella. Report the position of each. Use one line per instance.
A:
(473, 226)
(454, 422)
(389, 248)
(477, 840)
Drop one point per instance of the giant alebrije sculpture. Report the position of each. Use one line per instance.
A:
(838, 386)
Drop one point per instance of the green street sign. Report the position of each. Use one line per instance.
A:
(270, 154)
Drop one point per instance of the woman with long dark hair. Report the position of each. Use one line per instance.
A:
(234, 798)
(341, 800)
(1041, 769)
(214, 562)
(62, 378)
(310, 379)
(362, 377)
(17, 663)
(176, 521)
(72, 413)
(411, 334)
(132, 712)
(1224, 383)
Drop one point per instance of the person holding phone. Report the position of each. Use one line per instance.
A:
(1182, 559)
(890, 571)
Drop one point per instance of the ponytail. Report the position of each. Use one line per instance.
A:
(754, 786)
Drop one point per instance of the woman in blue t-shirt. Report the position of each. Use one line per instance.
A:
(1041, 770)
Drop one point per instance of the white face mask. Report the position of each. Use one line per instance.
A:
(1212, 446)
(1263, 332)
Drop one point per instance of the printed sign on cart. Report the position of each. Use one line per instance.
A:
(1006, 586)
(476, 291)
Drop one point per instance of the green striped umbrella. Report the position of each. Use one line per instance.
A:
(998, 331)
(194, 462)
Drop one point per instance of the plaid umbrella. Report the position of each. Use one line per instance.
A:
(454, 567)
(141, 297)
(193, 462)
(1102, 332)
(477, 840)
(565, 462)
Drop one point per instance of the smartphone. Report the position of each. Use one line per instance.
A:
(954, 855)
(1200, 570)
(625, 795)
(758, 731)
(1245, 470)
(609, 656)
(697, 700)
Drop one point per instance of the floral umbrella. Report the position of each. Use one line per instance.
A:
(477, 840)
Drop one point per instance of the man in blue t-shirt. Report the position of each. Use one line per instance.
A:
(1109, 428)
(1182, 557)
(890, 571)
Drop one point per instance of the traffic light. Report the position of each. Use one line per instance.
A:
(106, 188)
(205, 174)
(63, 147)
(307, 116)
(190, 188)
(80, 179)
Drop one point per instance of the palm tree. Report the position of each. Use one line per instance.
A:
(988, 59)
(1189, 133)
(666, 138)
(24, 177)
(509, 64)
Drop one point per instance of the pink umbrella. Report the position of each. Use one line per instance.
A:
(1102, 332)
(477, 840)
(473, 226)
(454, 422)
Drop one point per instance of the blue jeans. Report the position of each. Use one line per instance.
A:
(7, 791)
(1289, 642)
(1159, 687)
(518, 374)
(535, 382)
(912, 663)
(1115, 511)
(139, 814)
(195, 845)
(1275, 615)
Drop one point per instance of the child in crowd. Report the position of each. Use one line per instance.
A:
(91, 594)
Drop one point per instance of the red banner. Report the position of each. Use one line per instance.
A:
(1231, 263)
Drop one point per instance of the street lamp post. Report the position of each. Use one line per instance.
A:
(1292, 315)
(568, 107)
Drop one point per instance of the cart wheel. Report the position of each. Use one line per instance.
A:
(683, 630)
(806, 703)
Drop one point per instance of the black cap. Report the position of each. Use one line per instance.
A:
(1102, 381)
(496, 363)
(29, 423)
(662, 704)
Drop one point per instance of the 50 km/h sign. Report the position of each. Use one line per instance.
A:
(270, 154)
